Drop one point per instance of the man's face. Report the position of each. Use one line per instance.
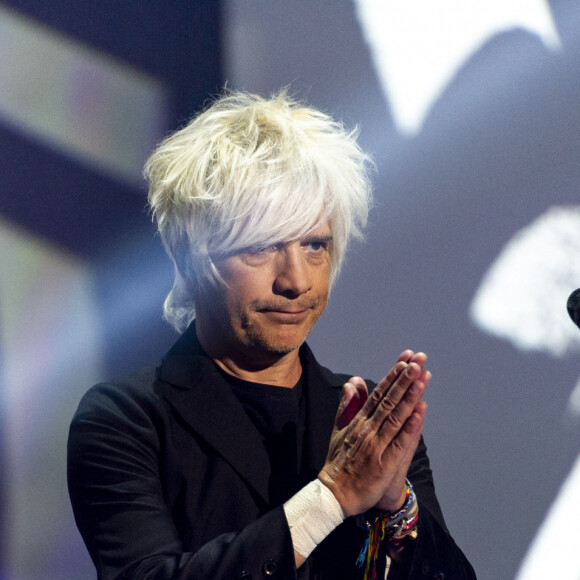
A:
(272, 298)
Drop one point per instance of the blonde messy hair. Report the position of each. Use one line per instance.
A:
(252, 171)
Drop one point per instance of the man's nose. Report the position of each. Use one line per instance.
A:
(293, 275)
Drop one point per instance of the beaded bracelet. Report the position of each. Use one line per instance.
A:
(395, 527)
(409, 499)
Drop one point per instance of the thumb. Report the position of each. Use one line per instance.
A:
(354, 396)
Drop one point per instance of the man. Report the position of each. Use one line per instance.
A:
(229, 459)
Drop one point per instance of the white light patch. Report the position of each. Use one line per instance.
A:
(554, 551)
(50, 354)
(79, 100)
(523, 295)
(574, 401)
(418, 46)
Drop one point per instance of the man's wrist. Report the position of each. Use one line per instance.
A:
(394, 528)
(312, 514)
(404, 521)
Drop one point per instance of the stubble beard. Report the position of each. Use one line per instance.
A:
(271, 344)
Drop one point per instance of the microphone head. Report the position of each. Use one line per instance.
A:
(573, 306)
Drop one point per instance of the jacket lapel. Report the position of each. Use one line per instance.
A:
(191, 383)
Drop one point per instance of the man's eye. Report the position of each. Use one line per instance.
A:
(259, 251)
(316, 245)
(265, 249)
(256, 251)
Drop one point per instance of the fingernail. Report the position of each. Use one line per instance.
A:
(400, 367)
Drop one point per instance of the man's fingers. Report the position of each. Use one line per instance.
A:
(383, 388)
(420, 358)
(354, 396)
(348, 394)
(401, 450)
(407, 437)
(406, 356)
(390, 419)
(394, 388)
(414, 423)
(386, 399)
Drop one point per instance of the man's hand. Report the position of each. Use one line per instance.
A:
(375, 437)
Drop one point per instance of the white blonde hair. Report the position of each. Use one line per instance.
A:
(252, 171)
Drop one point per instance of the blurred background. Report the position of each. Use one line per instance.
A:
(471, 110)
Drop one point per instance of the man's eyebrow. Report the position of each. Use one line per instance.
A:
(312, 237)
(318, 237)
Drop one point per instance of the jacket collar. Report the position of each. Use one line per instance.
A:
(195, 388)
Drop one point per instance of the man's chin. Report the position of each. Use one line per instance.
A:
(272, 349)
(279, 349)
(271, 344)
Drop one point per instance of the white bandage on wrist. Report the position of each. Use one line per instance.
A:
(312, 514)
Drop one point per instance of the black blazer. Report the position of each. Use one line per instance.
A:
(168, 478)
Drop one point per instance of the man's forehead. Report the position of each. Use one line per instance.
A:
(322, 233)
(319, 229)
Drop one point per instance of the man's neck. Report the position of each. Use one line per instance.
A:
(284, 373)
(283, 370)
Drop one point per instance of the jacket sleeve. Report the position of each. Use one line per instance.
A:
(436, 554)
(435, 557)
(121, 512)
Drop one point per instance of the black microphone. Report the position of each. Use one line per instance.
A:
(573, 306)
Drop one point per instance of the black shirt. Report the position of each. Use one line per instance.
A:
(278, 415)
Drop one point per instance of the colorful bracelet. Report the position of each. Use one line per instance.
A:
(394, 527)
(409, 499)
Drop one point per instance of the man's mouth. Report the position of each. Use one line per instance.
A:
(287, 315)
(291, 307)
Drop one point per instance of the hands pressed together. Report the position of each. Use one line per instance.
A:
(375, 437)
